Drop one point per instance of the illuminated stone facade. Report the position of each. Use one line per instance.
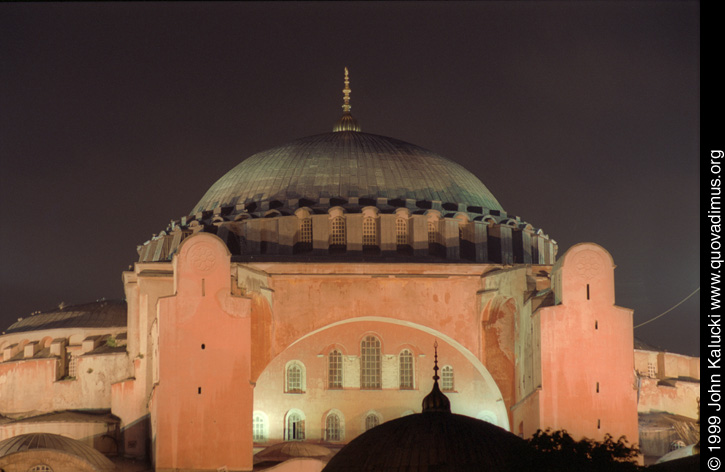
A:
(302, 297)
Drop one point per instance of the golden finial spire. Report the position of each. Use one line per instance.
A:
(436, 400)
(346, 91)
(347, 122)
(435, 361)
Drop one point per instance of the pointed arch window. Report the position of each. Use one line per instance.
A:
(405, 364)
(333, 428)
(447, 378)
(371, 364)
(334, 370)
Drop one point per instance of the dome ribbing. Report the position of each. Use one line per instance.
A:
(347, 164)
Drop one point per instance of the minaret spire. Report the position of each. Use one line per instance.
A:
(436, 400)
(347, 122)
(346, 92)
(435, 361)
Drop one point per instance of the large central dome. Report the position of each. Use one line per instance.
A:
(349, 195)
(347, 164)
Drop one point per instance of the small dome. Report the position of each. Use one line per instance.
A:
(101, 314)
(433, 440)
(30, 443)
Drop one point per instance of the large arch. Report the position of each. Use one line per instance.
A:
(491, 385)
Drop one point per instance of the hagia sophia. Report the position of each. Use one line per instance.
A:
(305, 298)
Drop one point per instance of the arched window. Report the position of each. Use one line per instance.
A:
(370, 233)
(401, 232)
(295, 427)
(259, 427)
(303, 240)
(40, 468)
(371, 421)
(338, 237)
(432, 236)
(406, 370)
(333, 428)
(295, 378)
(447, 378)
(334, 370)
(371, 365)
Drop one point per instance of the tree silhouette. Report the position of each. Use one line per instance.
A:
(560, 452)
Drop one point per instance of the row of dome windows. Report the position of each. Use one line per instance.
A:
(370, 236)
(407, 239)
(371, 371)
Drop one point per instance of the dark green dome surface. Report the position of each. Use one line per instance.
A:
(434, 441)
(347, 164)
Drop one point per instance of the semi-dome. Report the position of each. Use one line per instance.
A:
(347, 164)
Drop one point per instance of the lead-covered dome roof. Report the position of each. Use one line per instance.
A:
(347, 164)
(433, 441)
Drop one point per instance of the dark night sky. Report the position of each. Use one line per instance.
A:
(580, 117)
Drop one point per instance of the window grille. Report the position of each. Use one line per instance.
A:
(371, 366)
(73, 366)
(371, 421)
(447, 378)
(651, 370)
(370, 233)
(401, 231)
(432, 232)
(333, 429)
(337, 235)
(294, 378)
(406, 370)
(295, 430)
(334, 375)
(432, 236)
(305, 233)
(259, 432)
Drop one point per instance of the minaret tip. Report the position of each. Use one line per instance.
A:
(347, 122)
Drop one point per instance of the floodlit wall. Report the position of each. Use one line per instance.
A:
(41, 392)
(588, 382)
(202, 404)
(401, 389)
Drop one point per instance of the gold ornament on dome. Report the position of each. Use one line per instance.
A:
(347, 122)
